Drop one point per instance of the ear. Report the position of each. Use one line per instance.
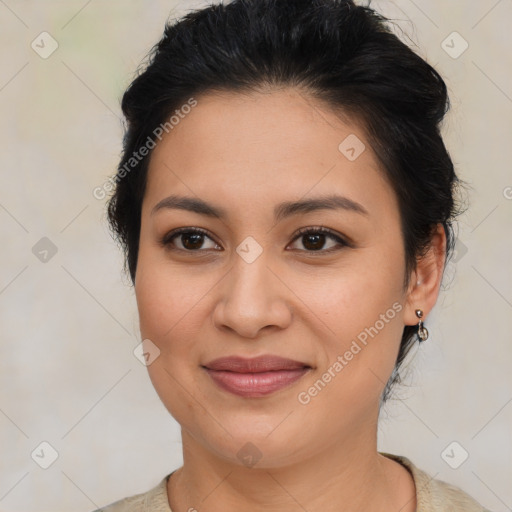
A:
(425, 279)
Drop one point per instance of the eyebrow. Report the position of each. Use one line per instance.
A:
(281, 211)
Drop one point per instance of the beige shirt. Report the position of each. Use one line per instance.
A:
(431, 495)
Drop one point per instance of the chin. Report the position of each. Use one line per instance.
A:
(253, 443)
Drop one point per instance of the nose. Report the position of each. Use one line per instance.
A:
(252, 299)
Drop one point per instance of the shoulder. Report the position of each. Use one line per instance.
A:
(154, 500)
(434, 495)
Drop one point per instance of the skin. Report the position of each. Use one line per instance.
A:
(247, 153)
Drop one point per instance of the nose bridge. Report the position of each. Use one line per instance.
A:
(249, 277)
(251, 297)
(249, 273)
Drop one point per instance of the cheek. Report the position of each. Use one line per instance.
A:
(363, 309)
(166, 312)
(156, 308)
(167, 299)
(354, 297)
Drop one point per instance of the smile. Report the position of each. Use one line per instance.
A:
(255, 377)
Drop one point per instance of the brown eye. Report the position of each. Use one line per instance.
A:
(190, 240)
(314, 240)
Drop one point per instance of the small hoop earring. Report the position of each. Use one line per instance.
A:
(422, 331)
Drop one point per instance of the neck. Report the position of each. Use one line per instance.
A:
(346, 476)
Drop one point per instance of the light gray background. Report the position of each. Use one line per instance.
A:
(69, 325)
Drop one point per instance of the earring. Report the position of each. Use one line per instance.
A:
(422, 331)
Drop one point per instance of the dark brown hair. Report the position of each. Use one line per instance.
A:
(337, 52)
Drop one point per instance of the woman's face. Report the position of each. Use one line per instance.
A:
(254, 286)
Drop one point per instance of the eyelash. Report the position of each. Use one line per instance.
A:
(167, 239)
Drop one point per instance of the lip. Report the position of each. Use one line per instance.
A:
(255, 377)
(265, 363)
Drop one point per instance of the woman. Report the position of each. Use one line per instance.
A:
(285, 202)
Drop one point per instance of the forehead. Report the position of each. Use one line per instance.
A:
(262, 147)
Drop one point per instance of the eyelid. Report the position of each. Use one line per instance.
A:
(343, 241)
(165, 241)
